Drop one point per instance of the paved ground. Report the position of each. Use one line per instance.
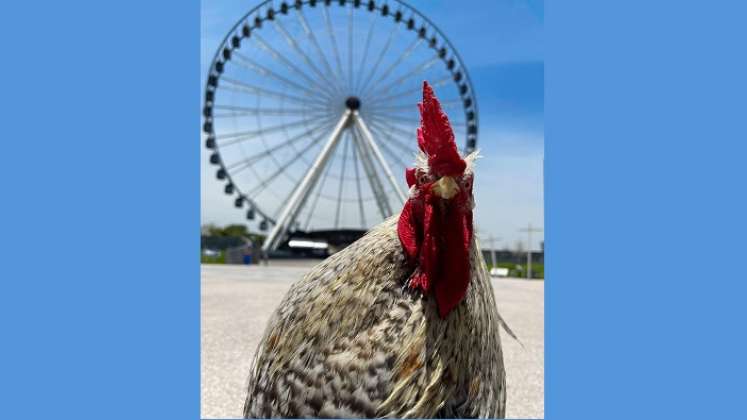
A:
(238, 300)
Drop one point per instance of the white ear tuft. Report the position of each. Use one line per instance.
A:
(470, 160)
(421, 161)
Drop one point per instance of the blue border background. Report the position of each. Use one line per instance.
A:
(645, 209)
(99, 307)
(644, 202)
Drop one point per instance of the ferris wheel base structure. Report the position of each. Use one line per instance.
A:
(315, 243)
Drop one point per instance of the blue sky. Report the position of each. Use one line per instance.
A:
(501, 43)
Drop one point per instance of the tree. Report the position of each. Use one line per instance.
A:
(236, 230)
(209, 229)
(230, 230)
(215, 237)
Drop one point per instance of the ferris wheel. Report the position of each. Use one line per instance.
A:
(310, 110)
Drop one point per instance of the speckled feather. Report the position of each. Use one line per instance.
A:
(351, 339)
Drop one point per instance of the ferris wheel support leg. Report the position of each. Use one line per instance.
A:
(302, 191)
(373, 179)
(379, 156)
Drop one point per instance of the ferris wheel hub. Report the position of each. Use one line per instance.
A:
(353, 103)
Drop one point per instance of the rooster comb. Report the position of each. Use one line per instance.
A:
(436, 138)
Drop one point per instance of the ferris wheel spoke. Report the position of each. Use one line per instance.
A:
(350, 48)
(374, 183)
(319, 186)
(380, 57)
(394, 117)
(240, 136)
(333, 40)
(411, 123)
(394, 141)
(282, 59)
(265, 182)
(292, 42)
(242, 164)
(374, 147)
(408, 106)
(358, 184)
(339, 188)
(245, 88)
(404, 145)
(362, 64)
(319, 189)
(388, 126)
(412, 91)
(242, 110)
(394, 156)
(264, 71)
(310, 34)
(406, 53)
(412, 73)
(408, 123)
(385, 146)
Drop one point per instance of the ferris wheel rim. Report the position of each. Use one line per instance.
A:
(451, 57)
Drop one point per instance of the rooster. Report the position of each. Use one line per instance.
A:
(401, 323)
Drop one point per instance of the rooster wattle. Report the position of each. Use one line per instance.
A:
(403, 322)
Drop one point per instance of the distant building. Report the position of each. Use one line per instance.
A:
(513, 257)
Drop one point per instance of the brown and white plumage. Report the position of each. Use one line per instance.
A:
(354, 338)
(350, 340)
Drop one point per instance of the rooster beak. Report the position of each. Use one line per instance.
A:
(446, 187)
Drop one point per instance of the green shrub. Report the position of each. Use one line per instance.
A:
(216, 259)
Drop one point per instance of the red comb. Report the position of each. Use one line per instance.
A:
(436, 138)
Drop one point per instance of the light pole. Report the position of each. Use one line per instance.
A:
(529, 230)
(492, 240)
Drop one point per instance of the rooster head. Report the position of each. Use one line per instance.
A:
(435, 226)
